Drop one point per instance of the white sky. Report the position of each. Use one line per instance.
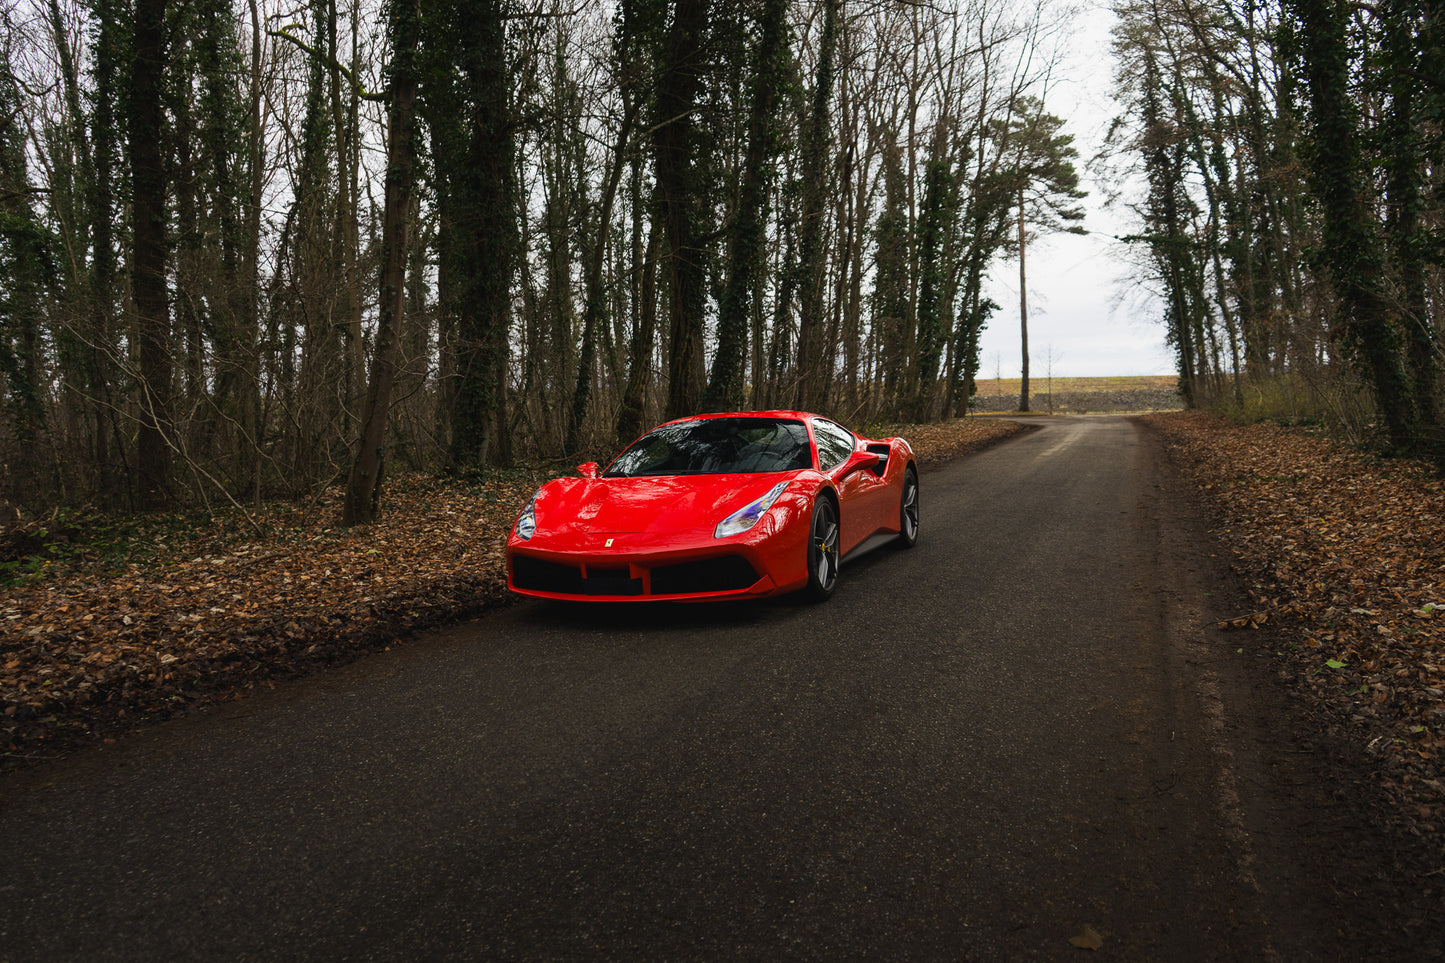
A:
(1083, 311)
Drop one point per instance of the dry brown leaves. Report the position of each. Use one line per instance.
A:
(87, 652)
(84, 653)
(1346, 554)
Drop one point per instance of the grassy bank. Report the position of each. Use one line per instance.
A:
(1080, 395)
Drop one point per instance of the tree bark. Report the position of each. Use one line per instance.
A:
(1351, 241)
(593, 305)
(102, 318)
(678, 85)
(745, 254)
(483, 192)
(811, 347)
(249, 399)
(630, 414)
(148, 260)
(1023, 312)
(363, 490)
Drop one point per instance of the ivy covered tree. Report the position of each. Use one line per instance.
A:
(25, 263)
(1291, 218)
(482, 202)
(363, 488)
(745, 258)
(217, 289)
(1352, 247)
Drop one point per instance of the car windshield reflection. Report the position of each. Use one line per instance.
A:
(717, 446)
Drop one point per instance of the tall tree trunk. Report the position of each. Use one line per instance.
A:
(1405, 169)
(780, 350)
(593, 305)
(679, 83)
(23, 256)
(745, 254)
(1351, 240)
(936, 224)
(222, 134)
(891, 279)
(363, 489)
(346, 214)
(312, 297)
(483, 192)
(102, 319)
(811, 343)
(249, 395)
(1023, 312)
(148, 260)
(630, 414)
(1169, 247)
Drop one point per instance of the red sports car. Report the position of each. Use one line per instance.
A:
(717, 506)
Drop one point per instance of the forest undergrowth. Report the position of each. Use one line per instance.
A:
(1343, 553)
(106, 625)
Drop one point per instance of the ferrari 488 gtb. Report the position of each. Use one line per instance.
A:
(717, 506)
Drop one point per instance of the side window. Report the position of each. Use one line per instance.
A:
(835, 444)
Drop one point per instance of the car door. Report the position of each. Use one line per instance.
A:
(859, 493)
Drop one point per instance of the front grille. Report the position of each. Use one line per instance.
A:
(535, 575)
(610, 581)
(726, 573)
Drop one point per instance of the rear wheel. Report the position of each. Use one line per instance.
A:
(908, 510)
(823, 551)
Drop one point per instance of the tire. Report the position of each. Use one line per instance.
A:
(908, 510)
(823, 551)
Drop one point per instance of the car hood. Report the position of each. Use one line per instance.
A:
(673, 503)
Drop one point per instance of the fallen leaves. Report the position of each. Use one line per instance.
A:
(1089, 939)
(198, 611)
(1255, 619)
(86, 651)
(1345, 553)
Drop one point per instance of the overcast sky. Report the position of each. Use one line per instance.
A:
(1082, 309)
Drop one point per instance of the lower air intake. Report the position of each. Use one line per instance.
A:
(727, 573)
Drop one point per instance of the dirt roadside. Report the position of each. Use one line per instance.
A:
(1376, 853)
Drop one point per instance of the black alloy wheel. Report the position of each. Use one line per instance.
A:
(908, 510)
(823, 550)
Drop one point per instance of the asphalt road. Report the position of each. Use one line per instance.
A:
(1016, 734)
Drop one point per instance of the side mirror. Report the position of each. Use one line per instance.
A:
(588, 470)
(863, 460)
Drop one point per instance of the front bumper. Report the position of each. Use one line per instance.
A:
(676, 567)
(565, 576)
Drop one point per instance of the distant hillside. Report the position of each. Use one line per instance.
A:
(1081, 395)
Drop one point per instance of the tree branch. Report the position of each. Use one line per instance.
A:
(331, 62)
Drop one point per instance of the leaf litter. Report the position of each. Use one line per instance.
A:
(1344, 555)
(198, 611)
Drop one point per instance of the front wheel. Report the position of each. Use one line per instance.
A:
(823, 551)
(908, 510)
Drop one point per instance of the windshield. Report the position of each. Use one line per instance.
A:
(717, 446)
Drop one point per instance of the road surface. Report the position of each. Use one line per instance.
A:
(1016, 738)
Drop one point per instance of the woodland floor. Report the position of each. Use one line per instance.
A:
(108, 626)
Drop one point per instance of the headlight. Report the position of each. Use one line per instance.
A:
(526, 525)
(747, 516)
